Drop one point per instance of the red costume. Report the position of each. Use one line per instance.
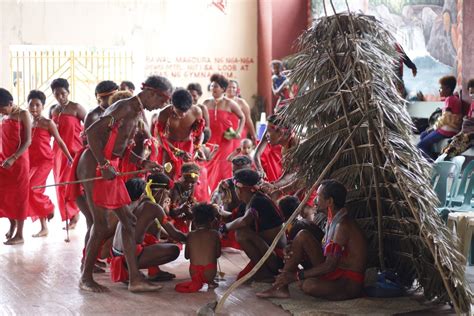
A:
(187, 146)
(14, 184)
(197, 279)
(70, 128)
(271, 162)
(219, 168)
(110, 194)
(41, 164)
(201, 190)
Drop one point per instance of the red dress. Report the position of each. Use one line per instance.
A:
(41, 163)
(201, 190)
(70, 128)
(14, 184)
(219, 168)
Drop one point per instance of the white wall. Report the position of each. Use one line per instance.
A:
(186, 36)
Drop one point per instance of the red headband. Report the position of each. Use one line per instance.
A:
(158, 91)
(104, 94)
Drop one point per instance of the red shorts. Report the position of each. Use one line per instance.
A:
(343, 274)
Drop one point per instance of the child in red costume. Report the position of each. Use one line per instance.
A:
(41, 159)
(15, 137)
(203, 247)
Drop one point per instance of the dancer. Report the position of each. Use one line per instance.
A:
(41, 160)
(15, 138)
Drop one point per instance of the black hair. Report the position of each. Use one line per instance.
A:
(470, 84)
(135, 188)
(105, 86)
(196, 87)
(189, 167)
(277, 62)
(159, 82)
(288, 204)
(5, 97)
(277, 120)
(159, 178)
(203, 213)
(448, 81)
(129, 84)
(334, 189)
(182, 99)
(207, 135)
(247, 177)
(241, 160)
(36, 94)
(220, 80)
(60, 83)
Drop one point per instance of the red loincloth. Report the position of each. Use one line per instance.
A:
(70, 128)
(197, 279)
(271, 162)
(219, 168)
(14, 184)
(118, 265)
(41, 164)
(126, 165)
(229, 240)
(110, 194)
(343, 274)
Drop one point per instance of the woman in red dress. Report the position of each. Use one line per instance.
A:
(226, 121)
(233, 93)
(41, 159)
(68, 117)
(15, 137)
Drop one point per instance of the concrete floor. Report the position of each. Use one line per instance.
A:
(41, 277)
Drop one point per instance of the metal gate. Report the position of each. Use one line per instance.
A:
(35, 67)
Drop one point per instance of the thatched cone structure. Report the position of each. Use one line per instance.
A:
(345, 68)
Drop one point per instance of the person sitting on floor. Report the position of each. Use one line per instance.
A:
(337, 270)
(256, 228)
(145, 208)
(448, 124)
(288, 204)
(203, 247)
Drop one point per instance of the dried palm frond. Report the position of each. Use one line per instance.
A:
(345, 68)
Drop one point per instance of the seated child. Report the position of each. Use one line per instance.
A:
(287, 205)
(203, 247)
(245, 149)
(182, 196)
(464, 139)
(448, 124)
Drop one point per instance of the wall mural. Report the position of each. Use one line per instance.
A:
(428, 31)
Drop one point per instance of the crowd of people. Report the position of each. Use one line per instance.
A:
(196, 175)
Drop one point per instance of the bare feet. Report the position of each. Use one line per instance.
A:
(10, 232)
(282, 292)
(73, 222)
(97, 269)
(92, 286)
(162, 276)
(14, 241)
(143, 286)
(42, 233)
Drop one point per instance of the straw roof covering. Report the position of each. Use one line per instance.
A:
(345, 70)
